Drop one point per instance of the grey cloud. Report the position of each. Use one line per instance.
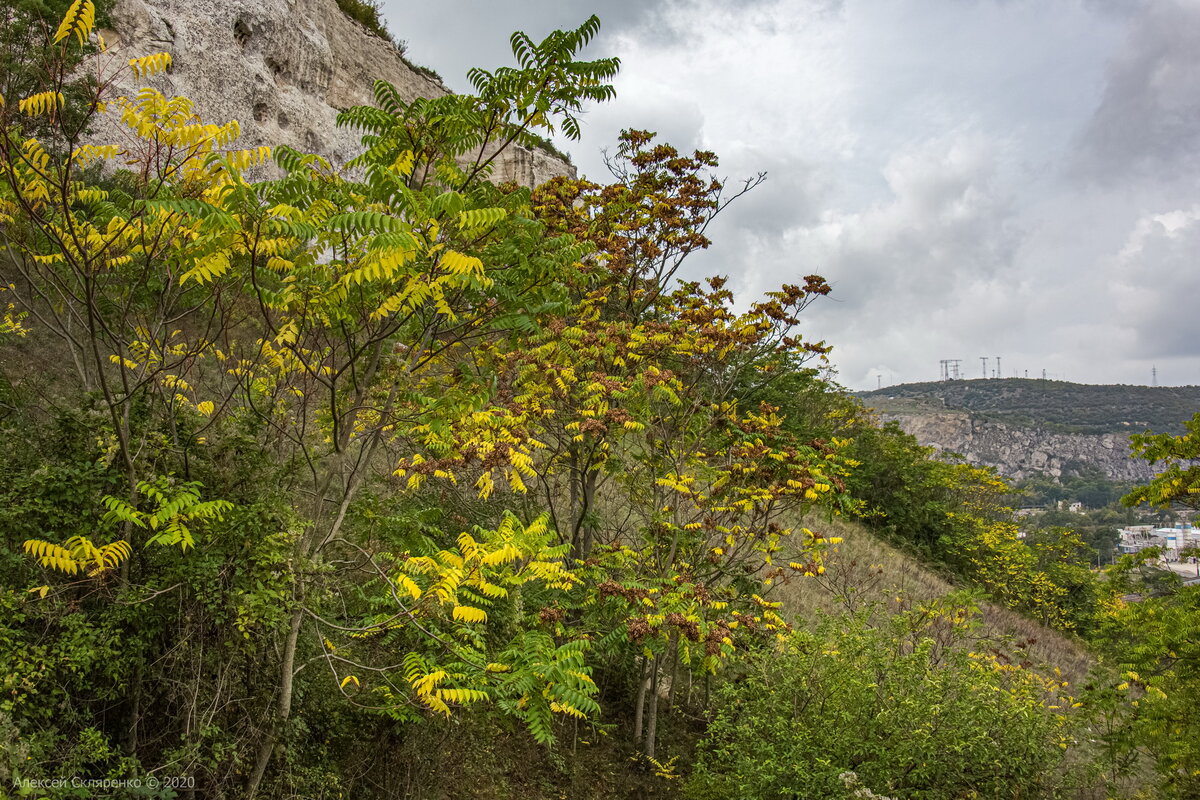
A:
(452, 36)
(1148, 120)
(793, 193)
(1159, 281)
(919, 272)
(985, 176)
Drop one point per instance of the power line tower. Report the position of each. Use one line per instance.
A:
(1154, 375)
(951, 369)
(999, 373)
(983, 361)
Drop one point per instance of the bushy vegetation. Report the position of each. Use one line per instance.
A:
(1078, 484)
(368, 14)
(913, 706)
(339, 481)
(1054, 405)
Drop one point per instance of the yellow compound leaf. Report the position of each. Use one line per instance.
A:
(41, 103)
(150, 65)
(79, 21)
(469, 614)
(409, 585)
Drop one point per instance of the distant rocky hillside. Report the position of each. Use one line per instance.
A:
(1054, 405)
(283, 69)
(1028, 427)
(1020, 452)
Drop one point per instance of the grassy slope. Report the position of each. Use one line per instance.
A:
(865, 570)
(1056, 405)
(475, 758)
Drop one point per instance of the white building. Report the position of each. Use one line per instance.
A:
(1171, 540)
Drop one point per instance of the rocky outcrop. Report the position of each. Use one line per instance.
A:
(283, 69)
(1019, 452)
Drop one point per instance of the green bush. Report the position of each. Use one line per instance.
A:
(905, 706)
(366, 13)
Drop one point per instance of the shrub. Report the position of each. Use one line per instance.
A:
(905, 706)
(367, 14)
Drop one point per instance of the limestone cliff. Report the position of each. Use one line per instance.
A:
(283, 69)
(1019, 452)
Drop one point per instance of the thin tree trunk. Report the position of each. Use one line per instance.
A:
(652, 711)
(640, 707)
(284, 709)
(674, 670)
(589, 500)
(135, 709)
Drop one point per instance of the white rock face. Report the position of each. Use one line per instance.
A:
(1018, 452)
(283, 69)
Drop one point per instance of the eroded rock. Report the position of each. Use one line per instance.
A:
(283, 69)
(1020, 452)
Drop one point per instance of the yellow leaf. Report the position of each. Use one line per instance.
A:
(41, 103)
(150, 65)
(410, 586)
(349, 679)
(469, 614)
(79, 20)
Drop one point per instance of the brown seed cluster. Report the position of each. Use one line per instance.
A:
(688, 627)
(551, 614)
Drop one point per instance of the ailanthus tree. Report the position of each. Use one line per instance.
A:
(31, 52)
(1179, 482)
(1153, 644)
(673, 484)
(330, 320)
(629, 414)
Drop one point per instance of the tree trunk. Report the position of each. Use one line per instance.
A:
(674, 669)
(284, 709)
(135, 708)
(652, 711)
(640, 706)
(589, 502)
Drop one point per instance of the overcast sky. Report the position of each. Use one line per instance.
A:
(973, 177)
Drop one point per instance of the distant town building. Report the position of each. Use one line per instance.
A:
(1136, 538)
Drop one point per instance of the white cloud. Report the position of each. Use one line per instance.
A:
(978, 177)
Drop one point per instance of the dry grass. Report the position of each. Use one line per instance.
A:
(865, 572)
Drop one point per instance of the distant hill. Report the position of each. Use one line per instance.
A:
(1057, 406)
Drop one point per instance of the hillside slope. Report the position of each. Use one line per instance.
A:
(1057, 406)
(1024, 427)
(864, 571)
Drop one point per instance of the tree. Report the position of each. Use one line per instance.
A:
(662, 464)
(1179, 482)
(1155, 643)
(328, 319)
